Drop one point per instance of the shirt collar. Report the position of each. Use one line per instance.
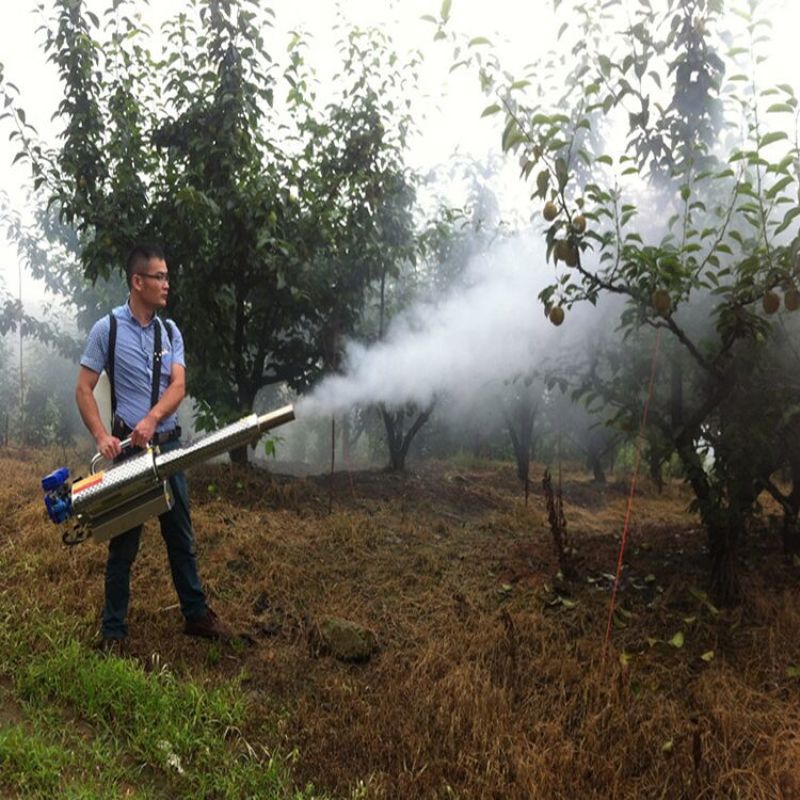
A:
(128, 314)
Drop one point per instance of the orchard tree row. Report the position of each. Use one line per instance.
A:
(667, 173)
(286, 207)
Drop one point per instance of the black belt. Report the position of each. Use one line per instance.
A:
(167, 436)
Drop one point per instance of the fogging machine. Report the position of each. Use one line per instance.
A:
(110, 502)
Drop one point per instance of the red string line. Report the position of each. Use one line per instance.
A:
(631, 494)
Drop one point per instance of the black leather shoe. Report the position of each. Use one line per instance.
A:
(208, 626)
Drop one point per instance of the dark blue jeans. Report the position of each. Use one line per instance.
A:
(176, 530)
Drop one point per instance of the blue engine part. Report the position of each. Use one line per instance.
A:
(58, 495)
(55, 479)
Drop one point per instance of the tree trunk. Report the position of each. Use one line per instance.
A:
(397, 442)
(521, 443)
(595, 464)
(723, 542)
(246, 398)
(520, 429)
(723, 526)
(239, 456)
(346, 441)
(656, 463)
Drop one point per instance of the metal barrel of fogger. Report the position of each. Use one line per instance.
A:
(229, 438)
(138, 480)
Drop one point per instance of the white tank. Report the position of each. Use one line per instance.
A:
(102, 395)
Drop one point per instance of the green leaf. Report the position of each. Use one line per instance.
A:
(510, 134)
(787, 220)
(478, 41)
(779, 186)
(445, 10)
(562, 173)
(783, 165)
(542, 182)
(489, 110)
(697, 593)
(780, 108)
(677, 640)
(708, 656)
(774, 136)
(516, 137)
(793, 672)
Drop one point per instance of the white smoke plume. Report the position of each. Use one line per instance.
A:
(490, 328)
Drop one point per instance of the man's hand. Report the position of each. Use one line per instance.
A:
(144, 431)
(108, 446)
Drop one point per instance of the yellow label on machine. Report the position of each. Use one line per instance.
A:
(87, 483)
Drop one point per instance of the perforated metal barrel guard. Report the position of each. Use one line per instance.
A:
(106, 490)
(230, 437)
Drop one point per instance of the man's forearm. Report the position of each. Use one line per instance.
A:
(90, 413)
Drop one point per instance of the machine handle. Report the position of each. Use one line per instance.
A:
(98, 457)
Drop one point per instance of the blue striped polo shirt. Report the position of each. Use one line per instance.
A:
(133, 362)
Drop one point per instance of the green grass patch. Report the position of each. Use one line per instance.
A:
(28, 763)
(189, 734)
(41, 759)
(95, 723)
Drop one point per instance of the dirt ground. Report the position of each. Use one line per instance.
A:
(490, 679)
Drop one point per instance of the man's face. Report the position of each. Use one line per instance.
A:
(152, 283)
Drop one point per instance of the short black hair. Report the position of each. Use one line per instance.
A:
(140, 254)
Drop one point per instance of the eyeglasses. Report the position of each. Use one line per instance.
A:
(161, 277)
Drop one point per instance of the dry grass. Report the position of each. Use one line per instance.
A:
(490, 680)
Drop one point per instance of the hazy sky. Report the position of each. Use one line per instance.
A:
(444, 348)
(520, 29)
(452, 120)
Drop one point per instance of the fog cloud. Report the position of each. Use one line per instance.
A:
(490, 328)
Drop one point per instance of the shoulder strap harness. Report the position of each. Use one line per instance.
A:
(112, 344)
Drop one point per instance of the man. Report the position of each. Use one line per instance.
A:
(143, 357)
